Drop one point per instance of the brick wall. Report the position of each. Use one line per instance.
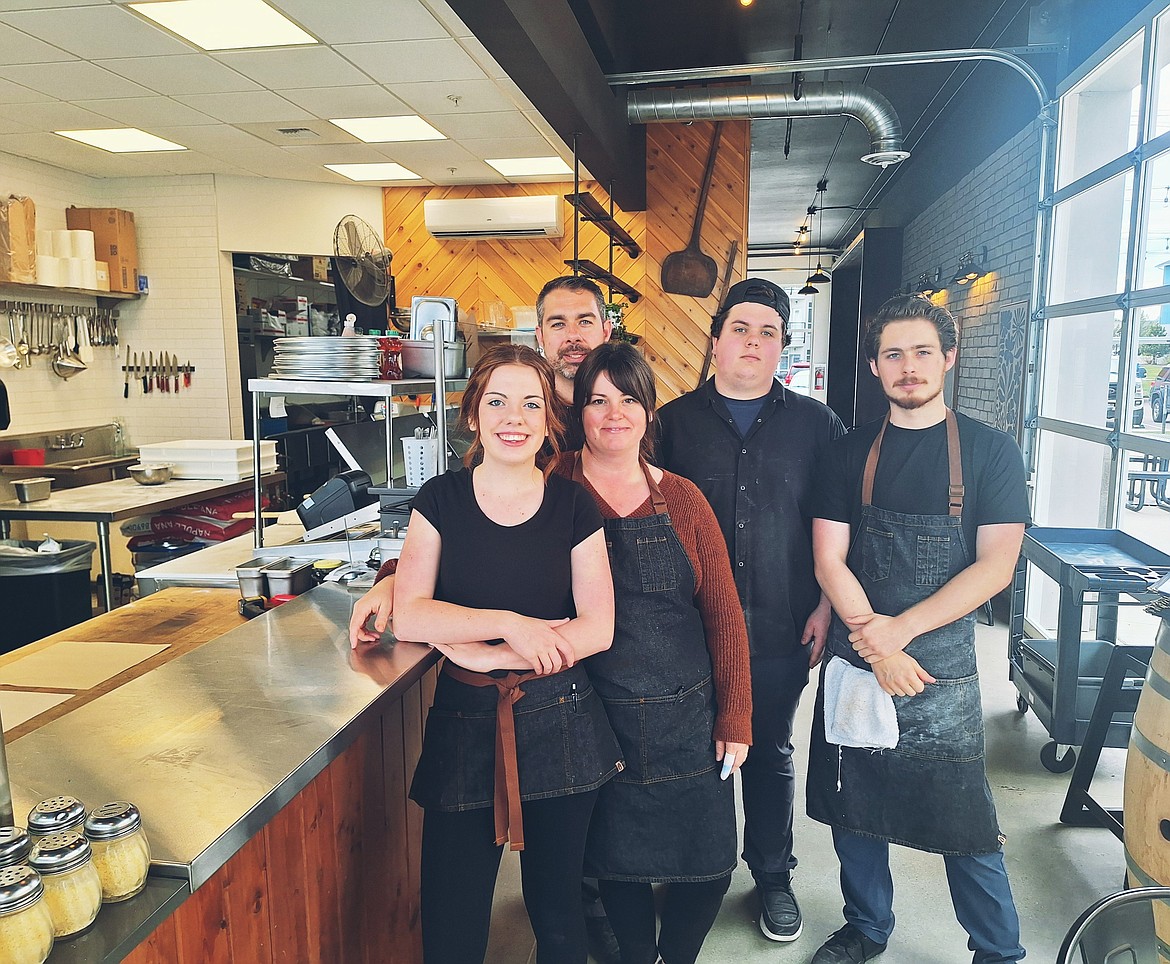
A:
(993, 206)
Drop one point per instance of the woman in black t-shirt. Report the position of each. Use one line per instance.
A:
(505, 571)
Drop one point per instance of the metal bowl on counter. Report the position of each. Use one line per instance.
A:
(155, 473)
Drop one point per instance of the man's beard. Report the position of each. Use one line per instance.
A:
(566, 369)
(908, 403)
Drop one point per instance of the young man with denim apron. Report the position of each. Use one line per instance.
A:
(751, 446)
(919, 521)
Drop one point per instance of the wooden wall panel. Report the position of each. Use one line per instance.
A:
(675, 329)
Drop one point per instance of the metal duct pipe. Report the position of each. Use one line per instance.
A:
(828, 99)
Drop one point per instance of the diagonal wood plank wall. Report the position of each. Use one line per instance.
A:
(674, 328)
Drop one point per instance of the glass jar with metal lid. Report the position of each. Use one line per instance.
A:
(55, 814)
(73, 889)
(14, 846)
(26, 927)
(121, 852)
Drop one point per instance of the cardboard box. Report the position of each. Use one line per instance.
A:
(295, 328)
(18, 240)
(313, 269)
(103, 276)
(115, 242)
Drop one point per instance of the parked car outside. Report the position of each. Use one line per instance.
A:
(1160, 395)
(1139, 410)
(794, 370)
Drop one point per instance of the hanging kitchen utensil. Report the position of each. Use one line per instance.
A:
(690, 272)
(126, 378)
(732, 251)
(5, 411)
(23, 346)
(148, 380)
(66, 364)
(83, 350)
(9, 356)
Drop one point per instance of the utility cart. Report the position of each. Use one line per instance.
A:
(1060, 678)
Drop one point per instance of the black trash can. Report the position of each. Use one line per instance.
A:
(43, 592)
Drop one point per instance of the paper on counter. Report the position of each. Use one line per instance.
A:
(75, 666)
(17, 707)
(276, 407)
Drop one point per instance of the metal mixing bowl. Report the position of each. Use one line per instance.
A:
(155, 473)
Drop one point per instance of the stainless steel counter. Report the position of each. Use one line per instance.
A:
(211, 745)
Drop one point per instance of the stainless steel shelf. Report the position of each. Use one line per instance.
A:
(368, 389)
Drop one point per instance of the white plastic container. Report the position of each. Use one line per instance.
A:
(227, 460)
(419, 456)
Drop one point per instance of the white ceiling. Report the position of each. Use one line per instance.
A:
(80, 64)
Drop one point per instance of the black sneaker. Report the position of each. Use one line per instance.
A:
(780, 918)
(847, 946)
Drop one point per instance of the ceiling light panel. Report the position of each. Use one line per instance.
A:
(529, 166)
(374, 172)
(225, 24)
(123, 140)
(378, 130)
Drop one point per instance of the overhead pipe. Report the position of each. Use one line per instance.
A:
(828, 99)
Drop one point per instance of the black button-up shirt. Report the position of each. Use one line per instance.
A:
(761, 487)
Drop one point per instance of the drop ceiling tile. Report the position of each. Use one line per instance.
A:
(11, 93)
(358, 22)
(66, 80)
(545, 129)
(146, 112)
(187, 74)
(475, 172)
(294, 67)
(506, 124)
(70, 155)
(413, 61)
(59, 116)
(483, 147)
(479, 53)
(447, 17)
(210, 138)
(322, 133)
(93, 32)
(6, 5)
(11, 122)
(475, 97)
(194, 162)
(368, 100)
(410, 153)
(249, 107)
(338, 153)
(17, 47)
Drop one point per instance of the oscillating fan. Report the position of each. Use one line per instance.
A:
(363, 261)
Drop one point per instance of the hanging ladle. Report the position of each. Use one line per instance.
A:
(66, 364)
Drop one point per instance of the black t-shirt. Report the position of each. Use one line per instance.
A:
(744, 411)
(912, 475)
(524, 568)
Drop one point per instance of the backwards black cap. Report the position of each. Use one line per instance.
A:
(760, 292)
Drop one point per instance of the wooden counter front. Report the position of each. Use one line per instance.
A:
(333, 876)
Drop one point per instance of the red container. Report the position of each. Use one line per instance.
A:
(28, 456)
(279, 599)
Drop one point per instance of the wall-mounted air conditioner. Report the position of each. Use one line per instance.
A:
(495, 217)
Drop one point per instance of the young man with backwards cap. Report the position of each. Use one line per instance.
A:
(752, 446)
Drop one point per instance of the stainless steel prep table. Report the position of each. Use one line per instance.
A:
(120, 499)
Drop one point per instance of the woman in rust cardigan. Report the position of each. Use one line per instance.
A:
(675, 683)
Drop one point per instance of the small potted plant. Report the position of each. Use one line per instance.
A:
(615, 312)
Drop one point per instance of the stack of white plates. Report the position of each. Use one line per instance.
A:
(326, 359)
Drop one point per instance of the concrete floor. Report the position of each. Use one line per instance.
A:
(1056, 871)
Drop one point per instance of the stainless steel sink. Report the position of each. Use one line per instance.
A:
(73, 473)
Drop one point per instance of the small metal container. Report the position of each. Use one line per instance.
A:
(252, 579)
(14, 846)
(55, 814)
(418, 359)
(150, 474)
(32, 490)
(26, 926)
(121, 853)
(289, 577)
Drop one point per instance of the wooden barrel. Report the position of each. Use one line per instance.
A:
(1147, 775)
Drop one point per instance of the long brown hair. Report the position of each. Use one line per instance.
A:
(631, 375)
(498, 357)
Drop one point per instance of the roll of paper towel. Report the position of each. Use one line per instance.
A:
(62, 245)
(71, 273)
(81, 245)
(45, 243)
(48, 270)
(89, 274)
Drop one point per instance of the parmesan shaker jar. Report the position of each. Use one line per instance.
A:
(55, 814)
(14, 846)
(26, 927)
(121, 853)
(73, 889)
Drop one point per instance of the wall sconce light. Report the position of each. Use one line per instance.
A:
(929, 283)
(971, 268)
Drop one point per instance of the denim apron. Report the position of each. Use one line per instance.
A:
(930, 792)
(666, 816)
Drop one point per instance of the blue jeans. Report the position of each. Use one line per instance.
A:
(979, 891)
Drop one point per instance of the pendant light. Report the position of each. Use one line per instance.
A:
(820, 277)
(808, 288)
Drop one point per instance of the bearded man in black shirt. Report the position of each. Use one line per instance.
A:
(919, 520)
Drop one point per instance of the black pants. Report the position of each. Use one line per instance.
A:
(688, 911)
(459, 865)
(767, 777)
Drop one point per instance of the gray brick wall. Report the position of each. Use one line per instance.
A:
(993, 206)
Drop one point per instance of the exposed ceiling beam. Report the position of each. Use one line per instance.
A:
(541, 46)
